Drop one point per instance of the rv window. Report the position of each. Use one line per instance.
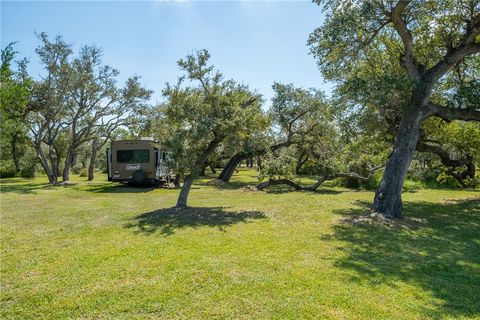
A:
(141, 156)
(133, 156)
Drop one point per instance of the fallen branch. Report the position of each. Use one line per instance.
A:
(320, 181)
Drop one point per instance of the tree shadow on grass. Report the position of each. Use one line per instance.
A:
(436, 247)
(166, 221)
(282, 190)
(119, 188)
(27, 188)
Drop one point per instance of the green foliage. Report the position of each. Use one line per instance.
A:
(28, 171)
(359, 49)
(14, 94)
(303, 121)
(448, 181)
(201, 111)
(412, 185)
(461, 138)
(7, 169)
(277, 166)
(83, 172)
(77, 99)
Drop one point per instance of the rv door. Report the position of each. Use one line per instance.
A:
(109, 164)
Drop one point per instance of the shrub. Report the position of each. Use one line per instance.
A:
(7, 173)
(83, 172)
(7, 170)
(371, 184)
(28, 165)
(28, 171)
(411, 185)
(447, 181)
(77, 168)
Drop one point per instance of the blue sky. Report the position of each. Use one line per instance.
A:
(252, 42)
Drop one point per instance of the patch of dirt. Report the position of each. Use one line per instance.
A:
(249, 188)
(216, 182)
(66, 183)
(460, 201)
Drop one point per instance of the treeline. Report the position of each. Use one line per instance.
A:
(406, 102)
(63, 119)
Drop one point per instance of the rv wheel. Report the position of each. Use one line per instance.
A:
(138, 176)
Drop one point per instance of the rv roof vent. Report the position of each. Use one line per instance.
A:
(147, 138)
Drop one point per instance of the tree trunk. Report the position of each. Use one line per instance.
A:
(259, 162)
(232, 164)
(388, 197)
(301, 162)
(183, 196)
(176, 182)
(93, 157)
(66, 169)
(212, 167)
(15, 155)
(54, 165)
(44, 163)
(202, 171)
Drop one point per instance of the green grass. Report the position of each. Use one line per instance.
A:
(98, 250)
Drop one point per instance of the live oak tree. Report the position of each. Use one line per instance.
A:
(48, 105)
(98, 105)
(428, 40)
(76, 100)
(14, 93)
(305, 121)
(454, 145)
(201, 110)
(295, 114)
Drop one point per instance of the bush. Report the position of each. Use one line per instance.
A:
(83, 172)
(28, 164)
(28, 171)
(7, 173)
(447, 181)
(412, 186)
(371, 184)
(7, 169)
(77, 168)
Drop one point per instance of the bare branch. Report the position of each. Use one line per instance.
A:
(452, 57)
(407, 59)
(449, 114)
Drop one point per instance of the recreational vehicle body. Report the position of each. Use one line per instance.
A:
(137, 162)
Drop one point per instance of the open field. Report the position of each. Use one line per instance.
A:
(103, 251)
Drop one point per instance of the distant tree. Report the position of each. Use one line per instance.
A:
(14, 95)
(428, 40)
(49, 105)
(77, 100)
(456, 146)
(199, 116)
(97, 105)
(295, 113)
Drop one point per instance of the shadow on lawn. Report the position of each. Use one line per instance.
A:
(286, 189)
(27, 188)
(441, 254)
(119, 188)
(167, 220)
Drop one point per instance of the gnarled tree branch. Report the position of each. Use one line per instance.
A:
(449, 114)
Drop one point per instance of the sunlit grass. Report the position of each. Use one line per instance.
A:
(100, 250)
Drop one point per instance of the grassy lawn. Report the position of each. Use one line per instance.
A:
(103, 251)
